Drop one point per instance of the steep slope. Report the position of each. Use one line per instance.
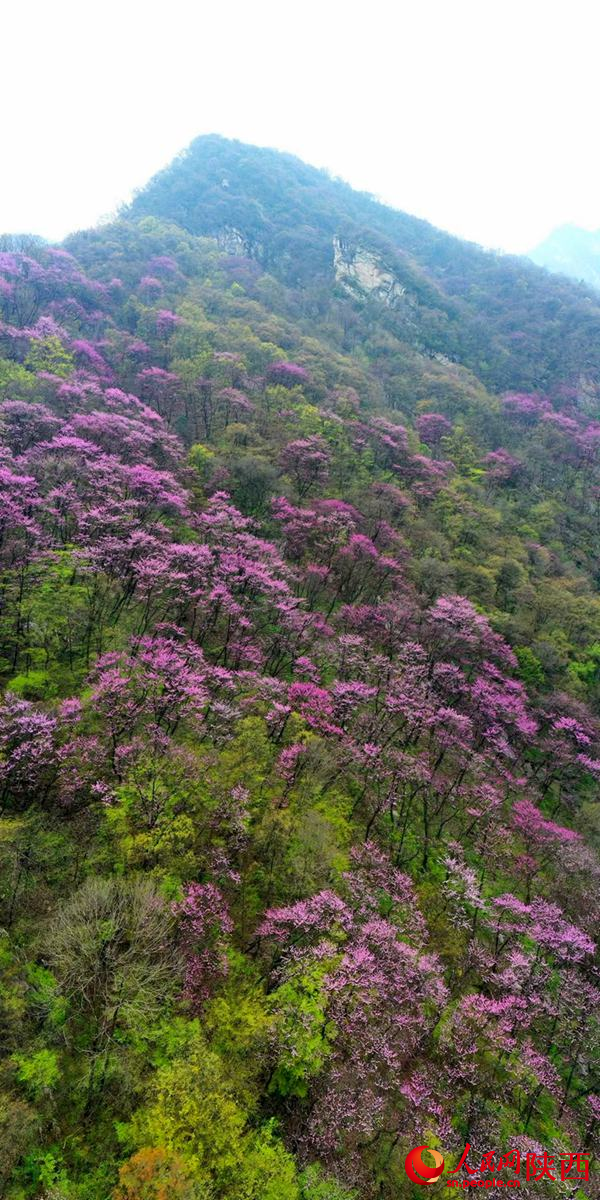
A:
(300, 725)
(515, 326)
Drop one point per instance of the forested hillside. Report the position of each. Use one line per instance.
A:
(300, 727)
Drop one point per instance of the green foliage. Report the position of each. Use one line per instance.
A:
(530, 667)
(254, 482)
(15, 379)
(49, 354)
(38, 1072)
(316, 1185)
(268, 1170)
(194, 1111)
(19, 1124)
(239, 1022)
(54, 644)
(587, 670)
(201, 459)
(44, 995)
(304, 1033)
(35, 685)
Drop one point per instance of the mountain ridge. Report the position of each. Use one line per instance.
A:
(305, 209)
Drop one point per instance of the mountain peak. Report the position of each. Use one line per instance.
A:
(288, 217)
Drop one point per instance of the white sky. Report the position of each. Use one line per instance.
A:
(480, 115)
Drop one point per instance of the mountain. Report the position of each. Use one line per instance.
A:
(496, 315)
(571, 251)
(300, 713)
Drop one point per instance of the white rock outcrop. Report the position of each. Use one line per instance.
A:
(359, 269)
(233, 241)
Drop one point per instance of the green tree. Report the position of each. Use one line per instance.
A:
(111, 948)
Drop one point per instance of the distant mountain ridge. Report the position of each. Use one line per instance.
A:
(571, 251)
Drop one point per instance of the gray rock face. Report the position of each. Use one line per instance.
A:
(233, 241)
(360, 270)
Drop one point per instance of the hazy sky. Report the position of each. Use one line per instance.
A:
(480, 115)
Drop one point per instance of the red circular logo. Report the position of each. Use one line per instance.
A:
(413, 1163)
